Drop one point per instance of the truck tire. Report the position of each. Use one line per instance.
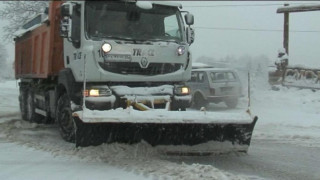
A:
(65, 119)
(23, 103)
(232, 103)
(32, 116)
(199, 101)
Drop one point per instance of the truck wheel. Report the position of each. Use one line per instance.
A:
(32, 116)
(232, 103)
(199, 101)
(64, 119)
(23, 103)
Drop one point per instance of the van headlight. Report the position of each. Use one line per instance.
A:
(181, 90)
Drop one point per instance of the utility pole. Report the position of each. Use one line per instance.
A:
(286, 10)
(286, 31)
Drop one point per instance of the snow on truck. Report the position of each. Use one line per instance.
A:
(115, 71)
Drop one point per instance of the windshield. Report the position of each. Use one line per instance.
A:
(120, 20)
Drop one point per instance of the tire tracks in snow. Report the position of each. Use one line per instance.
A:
(139, 158)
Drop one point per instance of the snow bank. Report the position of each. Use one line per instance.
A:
(289, 115)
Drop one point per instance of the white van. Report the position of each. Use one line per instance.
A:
(215, 85)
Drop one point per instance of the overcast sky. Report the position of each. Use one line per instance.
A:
(304, 47)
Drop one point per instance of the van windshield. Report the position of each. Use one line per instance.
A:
(124, 20)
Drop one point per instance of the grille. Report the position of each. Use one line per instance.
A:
(134, 68)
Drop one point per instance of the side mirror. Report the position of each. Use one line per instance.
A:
(189, 19)
(46, 10)
(66, 9)
(190, 35)
(65, 27)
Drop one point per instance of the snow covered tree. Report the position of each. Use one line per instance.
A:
(17, 13)
(3, 61)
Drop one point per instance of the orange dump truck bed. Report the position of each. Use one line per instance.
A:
(39, 52)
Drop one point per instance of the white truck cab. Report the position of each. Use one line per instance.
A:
(128, 43)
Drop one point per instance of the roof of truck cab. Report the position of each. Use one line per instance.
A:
(174, 4)
(167, 3)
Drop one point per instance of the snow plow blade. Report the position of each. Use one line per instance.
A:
(181, 136)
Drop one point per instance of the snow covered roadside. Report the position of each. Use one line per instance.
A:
(8, 98)
(289, 115)
(31, 151)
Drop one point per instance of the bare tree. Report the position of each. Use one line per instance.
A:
(17, 13)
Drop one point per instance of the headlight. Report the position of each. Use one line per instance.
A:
(182, 90)
(94, 92)
(181, 50)
(97, 92)
(106, 47)
(185, 90)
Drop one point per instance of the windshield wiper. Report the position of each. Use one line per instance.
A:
(127, 39)
(117, 37)
(165, 40)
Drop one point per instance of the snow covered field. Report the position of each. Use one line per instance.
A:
(288, 123)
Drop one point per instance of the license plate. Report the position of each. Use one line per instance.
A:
(117, 58)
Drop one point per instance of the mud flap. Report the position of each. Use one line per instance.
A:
(93, 134)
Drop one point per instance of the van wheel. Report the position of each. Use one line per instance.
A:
(32, 116)
(23, 103)
(65, 119)
(199, 101)
(232, 103)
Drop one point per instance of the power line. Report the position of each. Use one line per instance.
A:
(246, 5)
(257, 30)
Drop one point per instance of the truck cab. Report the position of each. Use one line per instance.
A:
(119, 41)
(127, 43)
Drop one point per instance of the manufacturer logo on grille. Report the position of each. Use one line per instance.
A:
(144, 62)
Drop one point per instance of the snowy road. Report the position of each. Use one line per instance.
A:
(268, 159)
(285, 145)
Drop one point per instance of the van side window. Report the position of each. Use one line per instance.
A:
(231, 76)
(220, 76)
(193, 77)
(201, 77)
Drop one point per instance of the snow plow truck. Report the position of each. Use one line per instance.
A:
(115, 71)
